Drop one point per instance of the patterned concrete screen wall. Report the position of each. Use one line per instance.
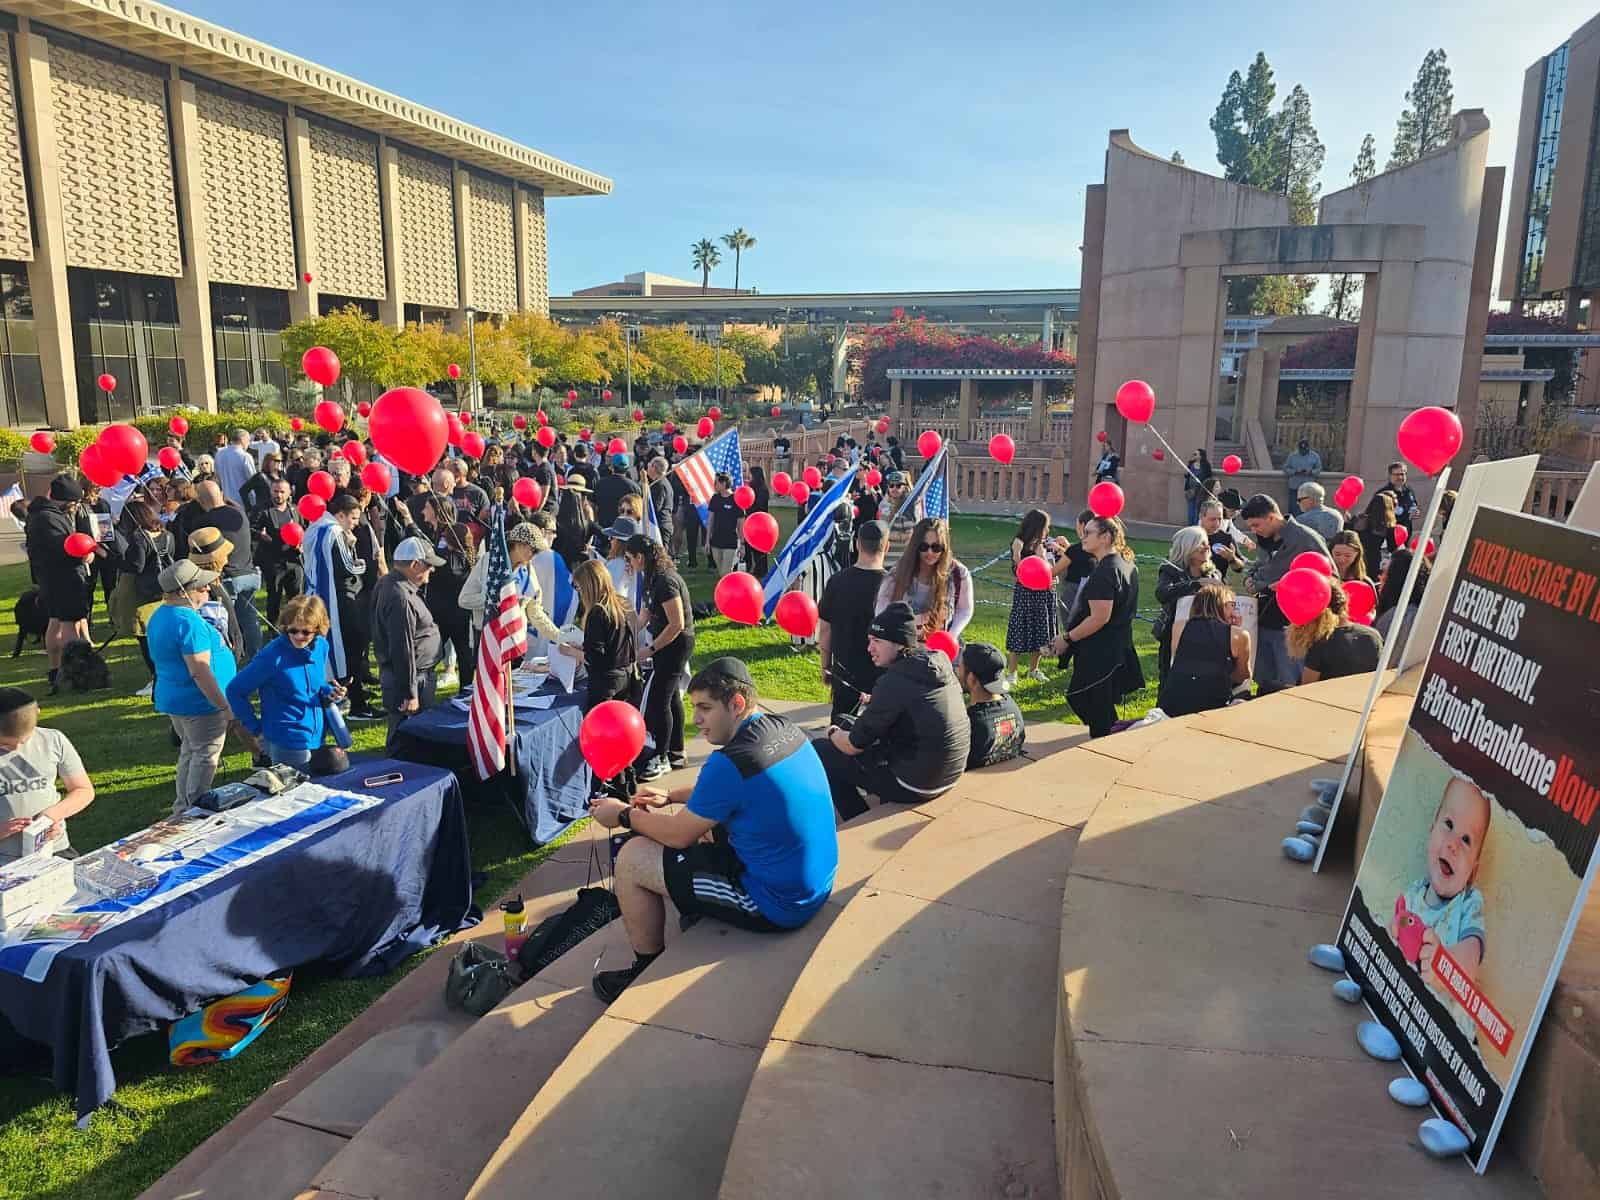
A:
(16, 240)
(118, 205)
(245, 177)
(426, 216)
(494, 246)
(346, 216)
(535, 256)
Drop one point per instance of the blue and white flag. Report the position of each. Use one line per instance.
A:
(11, 495)
(652, 522)
(930, 497)
(700, 470)
(325, 539)
(809, 538)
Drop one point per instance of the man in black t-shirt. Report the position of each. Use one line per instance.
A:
(848, 604)
(726, 523)
(998, 730)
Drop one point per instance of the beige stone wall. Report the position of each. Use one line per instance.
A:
(15, 238)
(426, 220)
(347, 225)
(245, 181)
(536, 256)
(114, 156)
(493, 260)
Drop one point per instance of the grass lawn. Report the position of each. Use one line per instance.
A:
(160, 1112)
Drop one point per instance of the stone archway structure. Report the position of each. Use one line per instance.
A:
(1162, 240)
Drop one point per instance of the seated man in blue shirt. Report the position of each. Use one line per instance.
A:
(763, 797)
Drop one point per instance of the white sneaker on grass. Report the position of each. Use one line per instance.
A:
(1038, 676)
(147, 691)
(448, 679)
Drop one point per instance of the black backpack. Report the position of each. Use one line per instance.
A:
(594, 909)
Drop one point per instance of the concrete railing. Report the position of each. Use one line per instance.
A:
(978, 479)
(1057, 430)
(1553, 493)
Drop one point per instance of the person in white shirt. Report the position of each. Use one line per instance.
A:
(264, 444)
(32, 762)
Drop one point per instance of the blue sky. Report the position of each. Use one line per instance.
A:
(886, 145)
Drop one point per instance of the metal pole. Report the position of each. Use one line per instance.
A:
(472, 359)
(719, 367)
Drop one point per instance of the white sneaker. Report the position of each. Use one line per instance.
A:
(448, 679)
(147, 691)
(1038, 676)
(1010, 678)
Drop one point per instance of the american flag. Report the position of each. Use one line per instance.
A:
(931, 495)
(504, 637)
(699, 471)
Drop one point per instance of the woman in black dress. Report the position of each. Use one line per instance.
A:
(1212, 655)
(1106, 667)
(666, 612)
(609, 654)
(763, 503)
(452, 541)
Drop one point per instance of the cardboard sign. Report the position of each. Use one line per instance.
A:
(1483, 849)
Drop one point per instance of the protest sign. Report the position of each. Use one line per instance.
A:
(1483, 849)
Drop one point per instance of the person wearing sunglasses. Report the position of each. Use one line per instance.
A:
(929, 578)
(291, 675)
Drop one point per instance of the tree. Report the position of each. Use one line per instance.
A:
(1344, 301)
(738, 241)
(758, 355)
(366, 348)
(1244, 125)
(1424, 123)
(1299, 155)
(1177, 158)
(706, 256)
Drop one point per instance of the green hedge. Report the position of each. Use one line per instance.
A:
(201, 438)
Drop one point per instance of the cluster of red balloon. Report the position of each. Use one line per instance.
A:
(120, 450)
(1348, 492)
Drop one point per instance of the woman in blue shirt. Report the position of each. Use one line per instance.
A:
(291, 673)
(193, 665)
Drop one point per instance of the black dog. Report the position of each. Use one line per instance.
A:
(83, 669)
(30, 618)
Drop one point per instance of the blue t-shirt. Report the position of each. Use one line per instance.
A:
(768, 789)
(172, 633)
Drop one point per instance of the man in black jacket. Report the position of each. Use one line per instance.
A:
(660, 495)
(282, 567)
(1280, 541)
(63, 583)
(613, 485)
(910, 744)
(405, 639)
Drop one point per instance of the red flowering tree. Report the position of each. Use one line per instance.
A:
(916, 344)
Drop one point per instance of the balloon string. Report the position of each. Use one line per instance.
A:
(1169, 449)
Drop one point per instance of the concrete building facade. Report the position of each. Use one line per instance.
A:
(173, 194)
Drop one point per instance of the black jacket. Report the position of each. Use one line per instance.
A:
(919, 716)
(48, 528)
(405, 641)
(1173, 583)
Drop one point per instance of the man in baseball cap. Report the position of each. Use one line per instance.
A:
(405, 638)
(998, 730)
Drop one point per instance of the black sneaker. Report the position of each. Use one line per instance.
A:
(363, 714)
(653, 770)
(677, 762)
(608, 985)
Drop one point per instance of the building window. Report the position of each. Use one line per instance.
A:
(126, 326)
(21, 378)
(247, 332)
(1545, 150)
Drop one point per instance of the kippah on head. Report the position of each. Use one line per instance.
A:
(732, 668)
(14, 698)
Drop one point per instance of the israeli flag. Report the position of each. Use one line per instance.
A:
(805, 543)
(652, 523)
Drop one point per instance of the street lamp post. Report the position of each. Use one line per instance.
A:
(472, 359)
(630, 337)
(716, 340)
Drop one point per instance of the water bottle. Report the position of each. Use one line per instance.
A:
(515, 925)
(336, 725)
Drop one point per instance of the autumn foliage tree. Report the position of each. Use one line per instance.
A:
(914, 343)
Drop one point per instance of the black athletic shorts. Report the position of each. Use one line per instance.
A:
(64, 599)
(704, 880)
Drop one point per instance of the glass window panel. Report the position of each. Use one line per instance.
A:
(164, 341)
(272, 308)
(168, 381)
(21, 337)
(27, 389)
(160, 300)
(110, 299)
(236, 344)
(271, 345)
(273, 370)
(110, 338)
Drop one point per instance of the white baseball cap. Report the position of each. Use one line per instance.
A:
(414, 549)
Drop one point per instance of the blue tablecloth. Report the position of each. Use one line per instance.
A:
(552, 783)
(361, 895)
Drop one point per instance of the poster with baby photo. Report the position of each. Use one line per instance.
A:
(1483, 849)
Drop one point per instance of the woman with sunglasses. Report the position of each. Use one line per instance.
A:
(291, 674)
(930, 579)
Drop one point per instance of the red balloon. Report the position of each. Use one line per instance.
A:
(616, 446)
(320, 483)
(928, 444)
(874, 477)
(812, 476)
(472, 445)
(1399, 533)
(1100, 435)
(714, 413)
(780, 483)
(777, 412)
(1136, 400)
(336, 452)
(1303, 594)
(453, 370)
(638, 415)
(584, 435)
(761, 531)
(1349, 491)
(296, 424)
(1033, 572)
(79, 545)
(668, 428)
(91, 461)
(680, 444)
(1231, 464)
(1427, 547)
(796, 614)
(704, 427)
(1158, 454)
(611, 737)
(124, 447)
(546, 436)
(453, 429)
(567, 403)
(526, 493)
(1363, 598)
(376, 476)
(169, 458)
(329, 415)
(519, 421)
(799, 493)
(311, 507)
(320, 365)
(354, 453)
(738, 597)
(883, 425)
(465, 418)
(107, 382)
(363, 410)
(605, 397)
(944, 642)
(1310, 560)
(541, 416)
(42, 442)
(1429, 438)
(306, 276)
(178, 426)
(1002, 449)
(292, 534)
(744, 496)
(572, 394)
(1106, 499)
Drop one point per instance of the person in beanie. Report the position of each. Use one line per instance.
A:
(910, 744)
(998, 730)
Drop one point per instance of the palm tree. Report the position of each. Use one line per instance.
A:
(738, 241)
(706, 256)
